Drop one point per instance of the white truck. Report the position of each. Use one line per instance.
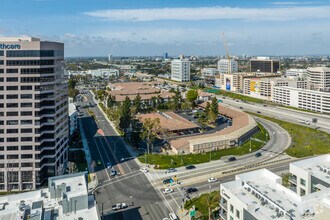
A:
(119, 206)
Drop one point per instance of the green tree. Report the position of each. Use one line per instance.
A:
(192, 96)
(72, 83)
(207, 108)
(136, 133)
(211, 201)
(212, 117)
(125, 115)
(137, 103)
(111, 100)
(151, 127)
(214, 106)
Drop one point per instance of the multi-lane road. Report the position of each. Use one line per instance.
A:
(323, 121)
(142, 191)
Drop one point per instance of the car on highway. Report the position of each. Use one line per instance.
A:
(167, 190)
(173, 216)
(166, 219)
(168, 181)
(258, 154)
(190, 167)
(99, 163)
(171, 170)
(144, 170)
(191, 190)
(212, 180)
(230, 159)
(109, 165)
(119, 206)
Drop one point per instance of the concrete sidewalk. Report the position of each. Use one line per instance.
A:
(93, 183)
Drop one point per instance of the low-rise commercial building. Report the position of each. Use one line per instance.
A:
(242, 128)
(105, 73)
(209, 72)
(260, 194)
(265, 65)
(300, 73)
(227, 66)
(65, 198)
(302, 98)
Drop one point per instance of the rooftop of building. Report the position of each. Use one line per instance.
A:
(240, 122)
(318, 167)
(72, 109)
(319, 69)
(15, 39)
(264, 196)
(169, 121)
(326, 94)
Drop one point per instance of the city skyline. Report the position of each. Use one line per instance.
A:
(128, 28)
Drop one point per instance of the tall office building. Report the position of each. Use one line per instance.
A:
(165, 56)
(264, 64)
(227, 66)
(180, 70)
(319, 78)
(34, 124)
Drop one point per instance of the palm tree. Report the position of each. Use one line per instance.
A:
(212, 201)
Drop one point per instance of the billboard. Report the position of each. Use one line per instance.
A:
(255, 88)
(227, 84)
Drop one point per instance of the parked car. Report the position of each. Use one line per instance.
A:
(99, 163)
(173, 216)
(212, 180)
(113, 172)
(258, 154)
(307, 122)
(190, 167)
(167, 181)
(109, 165)
(230, 159)
(119, 206)
(171, 170)
(167, 190)
(191, 190)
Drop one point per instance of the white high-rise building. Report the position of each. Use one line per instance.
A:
(34, 126)
(180, 70)
(319, 78)
(225, 64)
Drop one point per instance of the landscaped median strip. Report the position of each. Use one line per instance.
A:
(306, 141)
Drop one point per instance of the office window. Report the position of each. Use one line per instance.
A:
(26, 122)
(12, 70)
(1, 79)
(12, 156)
(30, 53)
(26, 138)
(231, 208)
(29, 62)
(1, 88)
(12, 122)
(11, 79)
(26, 130)
(2, 71)
(303, 182)
(26, 113)
(15, 88)
(12, 147)
(1, 62)
(12, 96)
(12, 113)
(26, 104)
(12, 131)
(26, 87)
(237, 213)
(26, 164)
(12, 139)
(2, 131)
(2, 122)
(26, 147)
(26, 156)
(26, 96)
(2, 53)
(11, 105)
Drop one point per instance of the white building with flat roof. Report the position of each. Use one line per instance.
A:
(300, 73)
(260, 195)
(73, 117)
(319, 78)
(180, 70)
(65, 198)
(227, 66)
(302, 98)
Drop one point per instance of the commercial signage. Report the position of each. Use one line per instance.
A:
(10, 46)
(227, 84)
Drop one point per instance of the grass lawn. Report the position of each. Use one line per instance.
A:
(168, 161)
(305, 141)
(200, 203)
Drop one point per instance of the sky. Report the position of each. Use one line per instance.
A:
(190, 27)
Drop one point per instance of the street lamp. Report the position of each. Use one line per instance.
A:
(250, 145)
(211, 153)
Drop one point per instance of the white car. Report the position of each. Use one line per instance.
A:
(212, 180)
(166, 219)
(167, 190)
(144, 170)
(173, 216)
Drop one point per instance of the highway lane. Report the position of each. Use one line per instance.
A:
(130, 185)
(281, 113)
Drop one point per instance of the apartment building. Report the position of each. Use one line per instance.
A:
(34, 125)
(180, 70)
(302, 98)
(265, 65)
(262, 88)
(319, 78)
(227, 66)
(260, 194)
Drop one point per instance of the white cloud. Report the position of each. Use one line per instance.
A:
(293, 3)
(214, 13)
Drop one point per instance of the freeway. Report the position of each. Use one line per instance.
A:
(129, 185)
(281, 113)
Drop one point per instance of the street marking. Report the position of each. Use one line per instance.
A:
(116, 181)
(128, 167)
(175, 200)
(168, 205)
(101, 157)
